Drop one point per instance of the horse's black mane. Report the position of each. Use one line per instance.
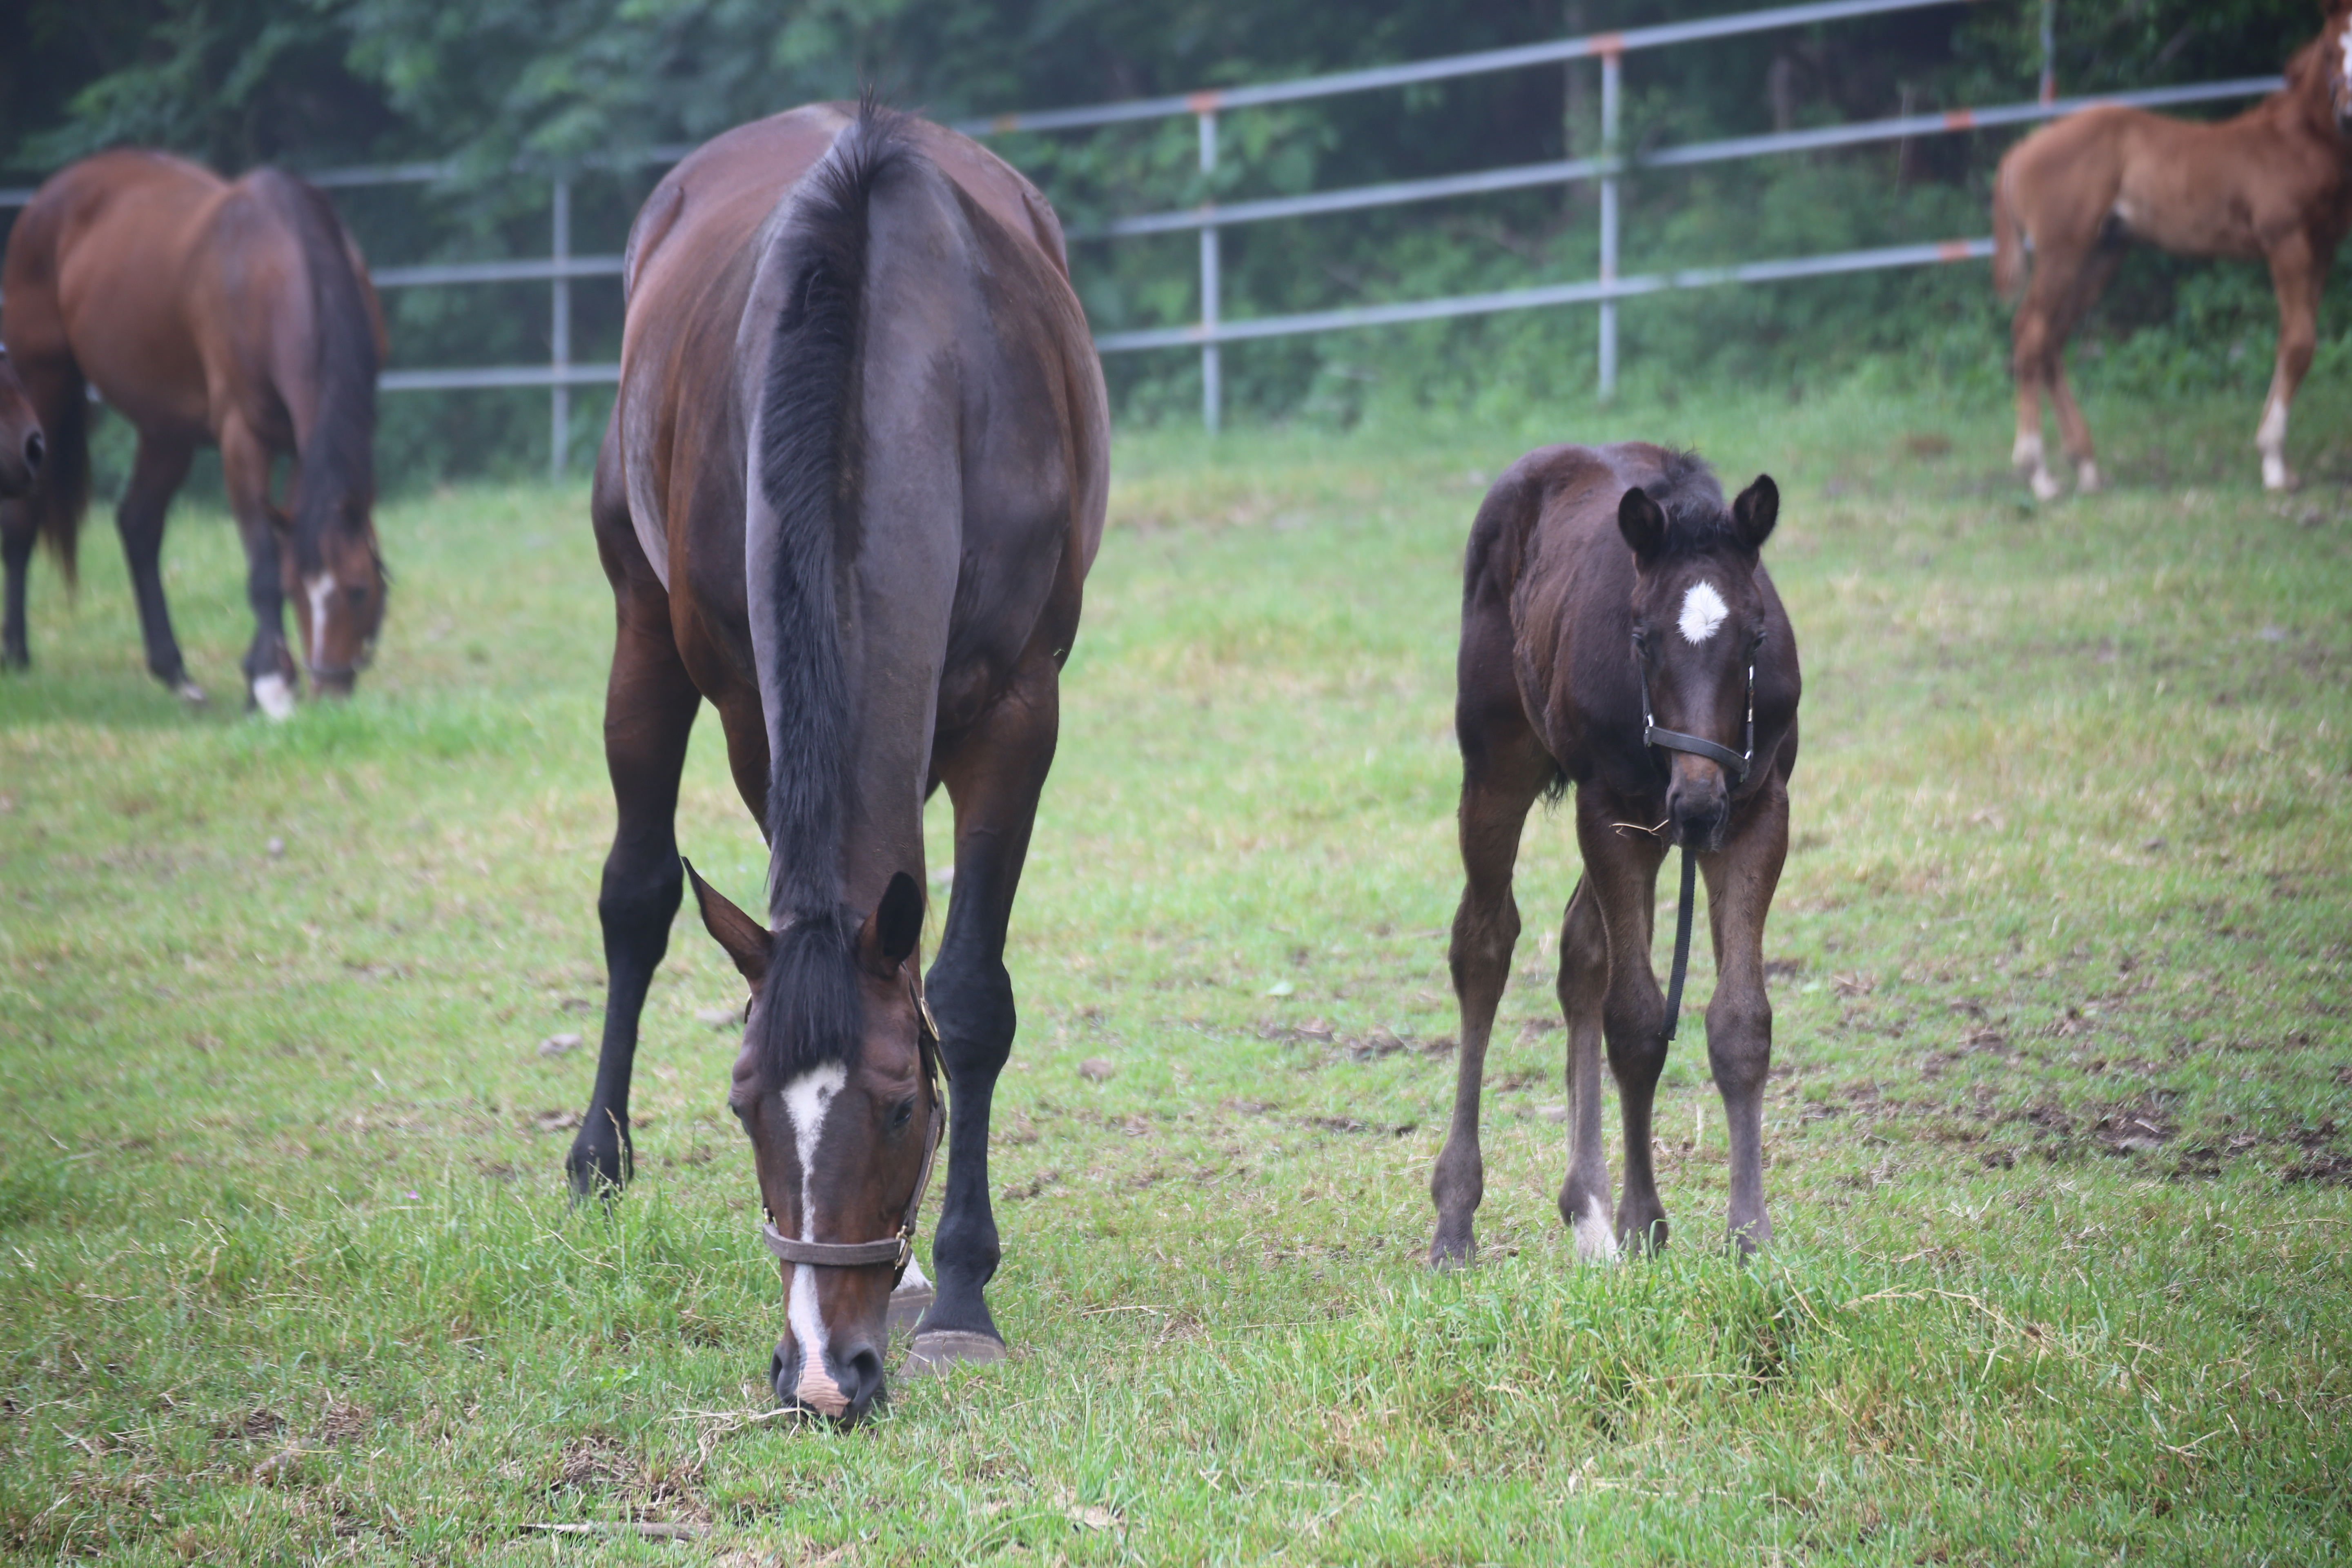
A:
(338, 461)
(1699, 520)
(811, 454)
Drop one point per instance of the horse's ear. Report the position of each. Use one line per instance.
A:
(1642, 522)
(891, 932)
(746, 940)
(1756, 510)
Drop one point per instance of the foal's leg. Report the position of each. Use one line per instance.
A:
(1739, 883)
(2297, 274)
(2091, 279)
(993, 776)
(2037, 339)
(18, 533)
(1583, 988)
(1504, 768)
(650, 704)
(1621, 870)
(269, 670)
(157, 471)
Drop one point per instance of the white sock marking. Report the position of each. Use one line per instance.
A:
(319, 588)
(805, 1100)
(1702, 610)
(274, 697)
(1596, 1241)
(2027, 453)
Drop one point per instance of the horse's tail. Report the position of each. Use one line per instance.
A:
(2008, 240)
(808, 468)
(337, 460)
(63, 495)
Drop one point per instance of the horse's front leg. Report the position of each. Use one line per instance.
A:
(1740, 879)
(19, 532)
(269, 670)
(155, 475)
(1621, 870)
(2297, 274)
(995, 774)
(1583, 992)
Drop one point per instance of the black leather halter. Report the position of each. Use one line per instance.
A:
(1739, 763)
(899, 1249)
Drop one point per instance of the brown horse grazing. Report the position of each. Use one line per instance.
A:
(204, 311)
(22, 445)
(2275, 182)
(854, 479)
(1606, 587)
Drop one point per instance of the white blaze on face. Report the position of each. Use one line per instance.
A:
(2344, 51)
(805, 1100)
(1702, 610)
(319, 588)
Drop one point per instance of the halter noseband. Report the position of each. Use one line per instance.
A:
(899, 1249)
(1698, 745)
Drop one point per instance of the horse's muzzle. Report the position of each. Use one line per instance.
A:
(844, 1389)
(1698, 804)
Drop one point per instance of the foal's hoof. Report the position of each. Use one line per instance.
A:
(943, 1348)
(189, 692)
(2046, 486)
(1451, 1250)
(275, 697)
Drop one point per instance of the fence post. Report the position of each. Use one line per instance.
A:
(558, 401)
(2049, 51)
(1611, 81)
(1212, 392)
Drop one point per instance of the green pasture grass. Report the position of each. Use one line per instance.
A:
(2059, 1133)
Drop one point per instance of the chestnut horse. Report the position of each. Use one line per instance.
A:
(204, 310)
(854, 479)
(2275, 182)
(22, 445)
(1607, 588)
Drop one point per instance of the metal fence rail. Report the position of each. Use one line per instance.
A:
(561, 268)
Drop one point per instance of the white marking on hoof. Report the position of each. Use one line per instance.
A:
(189, 692)
(1596, 1240)
(1702, 610)
(2270, 440)
(2276, 474)
(2026, 456)
(274, 697)
(2088, 481)
(2046, 485)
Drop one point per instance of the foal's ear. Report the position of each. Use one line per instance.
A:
(1756, 510)
(746, 940)
(1642, 522)
(891, 932)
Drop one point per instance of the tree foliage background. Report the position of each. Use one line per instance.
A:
(516, 92)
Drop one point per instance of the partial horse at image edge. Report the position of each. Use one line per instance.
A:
(2275, 182)
(237, 313)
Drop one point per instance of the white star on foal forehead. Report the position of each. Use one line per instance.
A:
(1702, 610)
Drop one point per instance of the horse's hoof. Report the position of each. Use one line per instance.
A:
(1452, 1251)
(2277, 476)
(942, 1349)
(909, 1303)
(2088, 481)
(274, 697)
(189, 692)
(2046, 486)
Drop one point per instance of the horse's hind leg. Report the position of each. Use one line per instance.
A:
(1740, 879)
(269, 670)
(1584, 986)
(994, 774)
(1621, 870)
(2074, 431)
(155, 475)
(1504, 768)
(650, 703)
(17, 534)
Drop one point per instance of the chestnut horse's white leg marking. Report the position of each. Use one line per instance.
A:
(1702, 610)
(2087, 476)
(805, 1100)
(319, 588)
(274, 697)
(2027, 459)
(1595, 1241)
(2270, 440)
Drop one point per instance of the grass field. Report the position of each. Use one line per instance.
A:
(2059, 1139)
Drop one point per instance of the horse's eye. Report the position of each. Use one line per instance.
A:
(356, 593)
(902, 1113)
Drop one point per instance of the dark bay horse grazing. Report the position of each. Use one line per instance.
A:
(854, 476)
(1605, 588)
(22, 445)
(205, 311)
(2275, 182)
